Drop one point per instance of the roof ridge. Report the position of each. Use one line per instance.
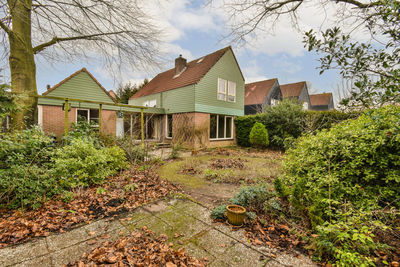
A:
(262, 81)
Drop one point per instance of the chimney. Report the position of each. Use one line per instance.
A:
(180, 64)
(48, 87)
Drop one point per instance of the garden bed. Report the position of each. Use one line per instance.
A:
(118, 194)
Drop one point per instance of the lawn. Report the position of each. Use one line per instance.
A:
(230, 165)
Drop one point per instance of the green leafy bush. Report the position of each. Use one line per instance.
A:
(81, 163)
(25, 161)
(286, 122)
(281, 121)
(259, 135)
(355, 161)
(253, 198)
(219, 213)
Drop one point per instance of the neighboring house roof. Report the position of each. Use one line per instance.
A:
(73, 75)
(194, 72)
(292, 89)
(255, 93)
(320, 99)
(112, 94)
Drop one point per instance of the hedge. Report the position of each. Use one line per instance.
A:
(287, 120)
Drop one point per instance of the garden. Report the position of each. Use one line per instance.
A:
(318, 184)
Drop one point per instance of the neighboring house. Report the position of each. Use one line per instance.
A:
(259, 95)
(200, 100)
(322, 101)
(297, 91)
(112, 94)
(80, 85)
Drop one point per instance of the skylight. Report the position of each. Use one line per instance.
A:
(200, 60)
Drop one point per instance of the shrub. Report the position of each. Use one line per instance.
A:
(25, 160)
(281, 121)
(318, 120)
(219, 213)
(259, 136)
(80, 163)
(134, 153)
(253, 198)
(356, 161)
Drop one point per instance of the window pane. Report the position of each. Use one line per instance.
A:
(169, 125)
(82, 115)
(221, 86)
(228, 127)
(221, 96)
(232, 88)
(221, 126)
(231, 98)
(213, 126)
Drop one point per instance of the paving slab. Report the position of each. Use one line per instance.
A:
(11, 256)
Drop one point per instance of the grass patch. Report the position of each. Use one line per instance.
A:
(196, 171)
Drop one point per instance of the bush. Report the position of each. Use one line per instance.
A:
(134, 153)
(259, 136)
(286, 122)
(80, 163)
(25, 161)
(356, 161)
(253, 198)
(219, 213)
(281, 121)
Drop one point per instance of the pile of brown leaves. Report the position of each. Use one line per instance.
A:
(228, 163)
(274, 235)
(119, 194)
(138, 249)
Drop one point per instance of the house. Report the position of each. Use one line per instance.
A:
(297, 91)
(322, 101)
(259, 95)
(200, 99)
(79, 85)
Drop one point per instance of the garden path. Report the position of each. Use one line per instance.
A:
(186, 223)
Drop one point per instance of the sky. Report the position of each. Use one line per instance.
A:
(192, 29)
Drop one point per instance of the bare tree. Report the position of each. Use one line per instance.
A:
(116, 32)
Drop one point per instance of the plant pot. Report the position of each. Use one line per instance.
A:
(235, 214)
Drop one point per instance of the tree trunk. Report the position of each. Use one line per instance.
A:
(22, 64)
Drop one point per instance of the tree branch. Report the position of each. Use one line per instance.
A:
(55, 40)
(5, 28)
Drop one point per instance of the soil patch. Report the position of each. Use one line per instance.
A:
(228, 163)
(119, 194)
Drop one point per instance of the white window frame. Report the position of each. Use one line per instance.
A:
(166, 127)
(234, 92)
(224, 138)
(88, 120)
(150, 103)
(225, 93)
(88, 112)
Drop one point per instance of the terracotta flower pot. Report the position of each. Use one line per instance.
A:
(235, 214)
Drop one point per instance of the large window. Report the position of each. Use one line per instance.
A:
(169, 126)
(221, 127)
(88, 115)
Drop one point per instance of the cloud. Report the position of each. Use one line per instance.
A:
(252, 73)
(288, 65)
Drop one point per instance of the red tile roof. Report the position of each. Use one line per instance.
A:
(292, 89)
(320, 99)
(194, 72)
(255, 93)
(73, 75)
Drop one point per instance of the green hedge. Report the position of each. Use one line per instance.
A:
(287, 120)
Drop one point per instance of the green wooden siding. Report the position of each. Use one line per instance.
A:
(206, 90)
(81, 86)
(173, 101)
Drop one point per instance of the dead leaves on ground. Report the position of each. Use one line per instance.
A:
(119, 194)
(138, 249)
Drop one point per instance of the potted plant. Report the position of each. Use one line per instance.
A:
(235, 214)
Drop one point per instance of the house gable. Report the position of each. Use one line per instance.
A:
(206, 100)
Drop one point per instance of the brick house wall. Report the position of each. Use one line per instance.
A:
(52, 120)
(196, 131)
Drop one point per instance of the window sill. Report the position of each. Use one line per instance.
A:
(220, 139)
